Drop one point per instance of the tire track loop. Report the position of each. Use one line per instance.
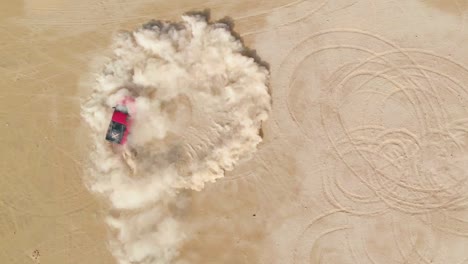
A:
(392, 163)
(348, 133)
(432, 102)
(297, 122)
(376, 55)
(294, 52)
(381, 75)
(291, 112)
(391, 198)
(294, 118)
(452, 137)
(349, 76)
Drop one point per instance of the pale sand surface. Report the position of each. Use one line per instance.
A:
(364, 158)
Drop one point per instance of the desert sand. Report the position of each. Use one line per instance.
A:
(364, 153)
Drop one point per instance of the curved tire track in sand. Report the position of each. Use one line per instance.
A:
(411, 163)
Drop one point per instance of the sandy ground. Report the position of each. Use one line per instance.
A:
(364, 158)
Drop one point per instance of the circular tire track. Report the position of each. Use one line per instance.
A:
(410, 160)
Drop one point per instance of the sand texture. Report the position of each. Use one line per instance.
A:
(364, 156)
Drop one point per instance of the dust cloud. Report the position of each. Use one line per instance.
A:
(199, 104)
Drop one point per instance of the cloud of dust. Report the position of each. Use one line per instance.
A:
(199, 104)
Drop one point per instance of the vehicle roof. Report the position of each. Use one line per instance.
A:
(119, 117)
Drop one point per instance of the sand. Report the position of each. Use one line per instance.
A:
(364, 153)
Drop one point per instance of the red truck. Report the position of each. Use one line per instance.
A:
(119, 127)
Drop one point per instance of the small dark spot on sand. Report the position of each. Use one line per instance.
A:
(36, 254)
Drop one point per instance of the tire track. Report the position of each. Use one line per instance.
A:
(381, 164)
(308, 240)
(276, 14)
(417, 101)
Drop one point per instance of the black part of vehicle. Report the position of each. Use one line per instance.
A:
(115, 132)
